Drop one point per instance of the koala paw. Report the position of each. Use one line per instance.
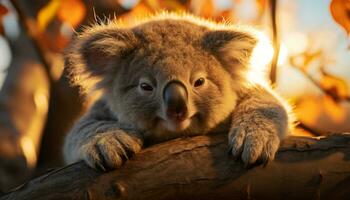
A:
(109, 150)
(253, 142)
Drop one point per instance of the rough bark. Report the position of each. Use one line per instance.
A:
(200, 168)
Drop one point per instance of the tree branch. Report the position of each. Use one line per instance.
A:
(275, 42)
(200, 168)
(29, 26)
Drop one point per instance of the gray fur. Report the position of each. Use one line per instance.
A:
(114, 58)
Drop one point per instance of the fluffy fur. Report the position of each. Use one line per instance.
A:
(117, 58)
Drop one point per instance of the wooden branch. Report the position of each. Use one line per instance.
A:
(275, 41)
(34, 36)
(200, 168)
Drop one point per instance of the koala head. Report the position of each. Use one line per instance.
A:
(168, 75)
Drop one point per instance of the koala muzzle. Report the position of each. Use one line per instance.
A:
(175, 100)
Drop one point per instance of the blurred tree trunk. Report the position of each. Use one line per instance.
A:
(24, 98)
(200, 168)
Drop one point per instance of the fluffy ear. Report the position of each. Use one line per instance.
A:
(95, 54)
(230, 47)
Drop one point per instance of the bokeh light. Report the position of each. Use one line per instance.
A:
(296, 42)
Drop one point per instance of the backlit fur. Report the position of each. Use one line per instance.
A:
(114, 57)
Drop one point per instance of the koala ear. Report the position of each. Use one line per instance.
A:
(229, 46)
(96, 53)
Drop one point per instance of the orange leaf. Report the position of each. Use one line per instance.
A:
(322, 114)
(142, 9)
(164, 5)
(3, 10)
(225, 15)
(207, 9)
(204, 8)
(47, 14)
(153, 4)
(173, 5)
(72, 12)
(340, 10)
(308, 110)
(334, 85)
(334, 110)
(261, 6)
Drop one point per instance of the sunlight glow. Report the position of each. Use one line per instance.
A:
(262, 53)
(260, 59)
(31, 141)
(296, 42)
(283, 55)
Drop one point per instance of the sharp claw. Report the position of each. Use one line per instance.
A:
(265, 162)
(229, 151)
(100, 166)
(259, 162)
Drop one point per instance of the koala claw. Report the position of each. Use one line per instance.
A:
(109, 150)
(253, 145)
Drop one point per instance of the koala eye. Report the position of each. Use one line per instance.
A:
(199, 82)
(146, 87)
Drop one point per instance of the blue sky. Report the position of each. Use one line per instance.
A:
(313, 18)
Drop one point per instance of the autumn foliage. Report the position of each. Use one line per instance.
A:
(49, 26)
(340, 10)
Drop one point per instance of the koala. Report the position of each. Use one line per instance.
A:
(169, 76)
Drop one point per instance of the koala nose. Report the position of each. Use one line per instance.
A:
(175, 100)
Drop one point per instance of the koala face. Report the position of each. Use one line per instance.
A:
(165, 77)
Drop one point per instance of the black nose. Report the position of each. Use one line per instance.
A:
(175, 100)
